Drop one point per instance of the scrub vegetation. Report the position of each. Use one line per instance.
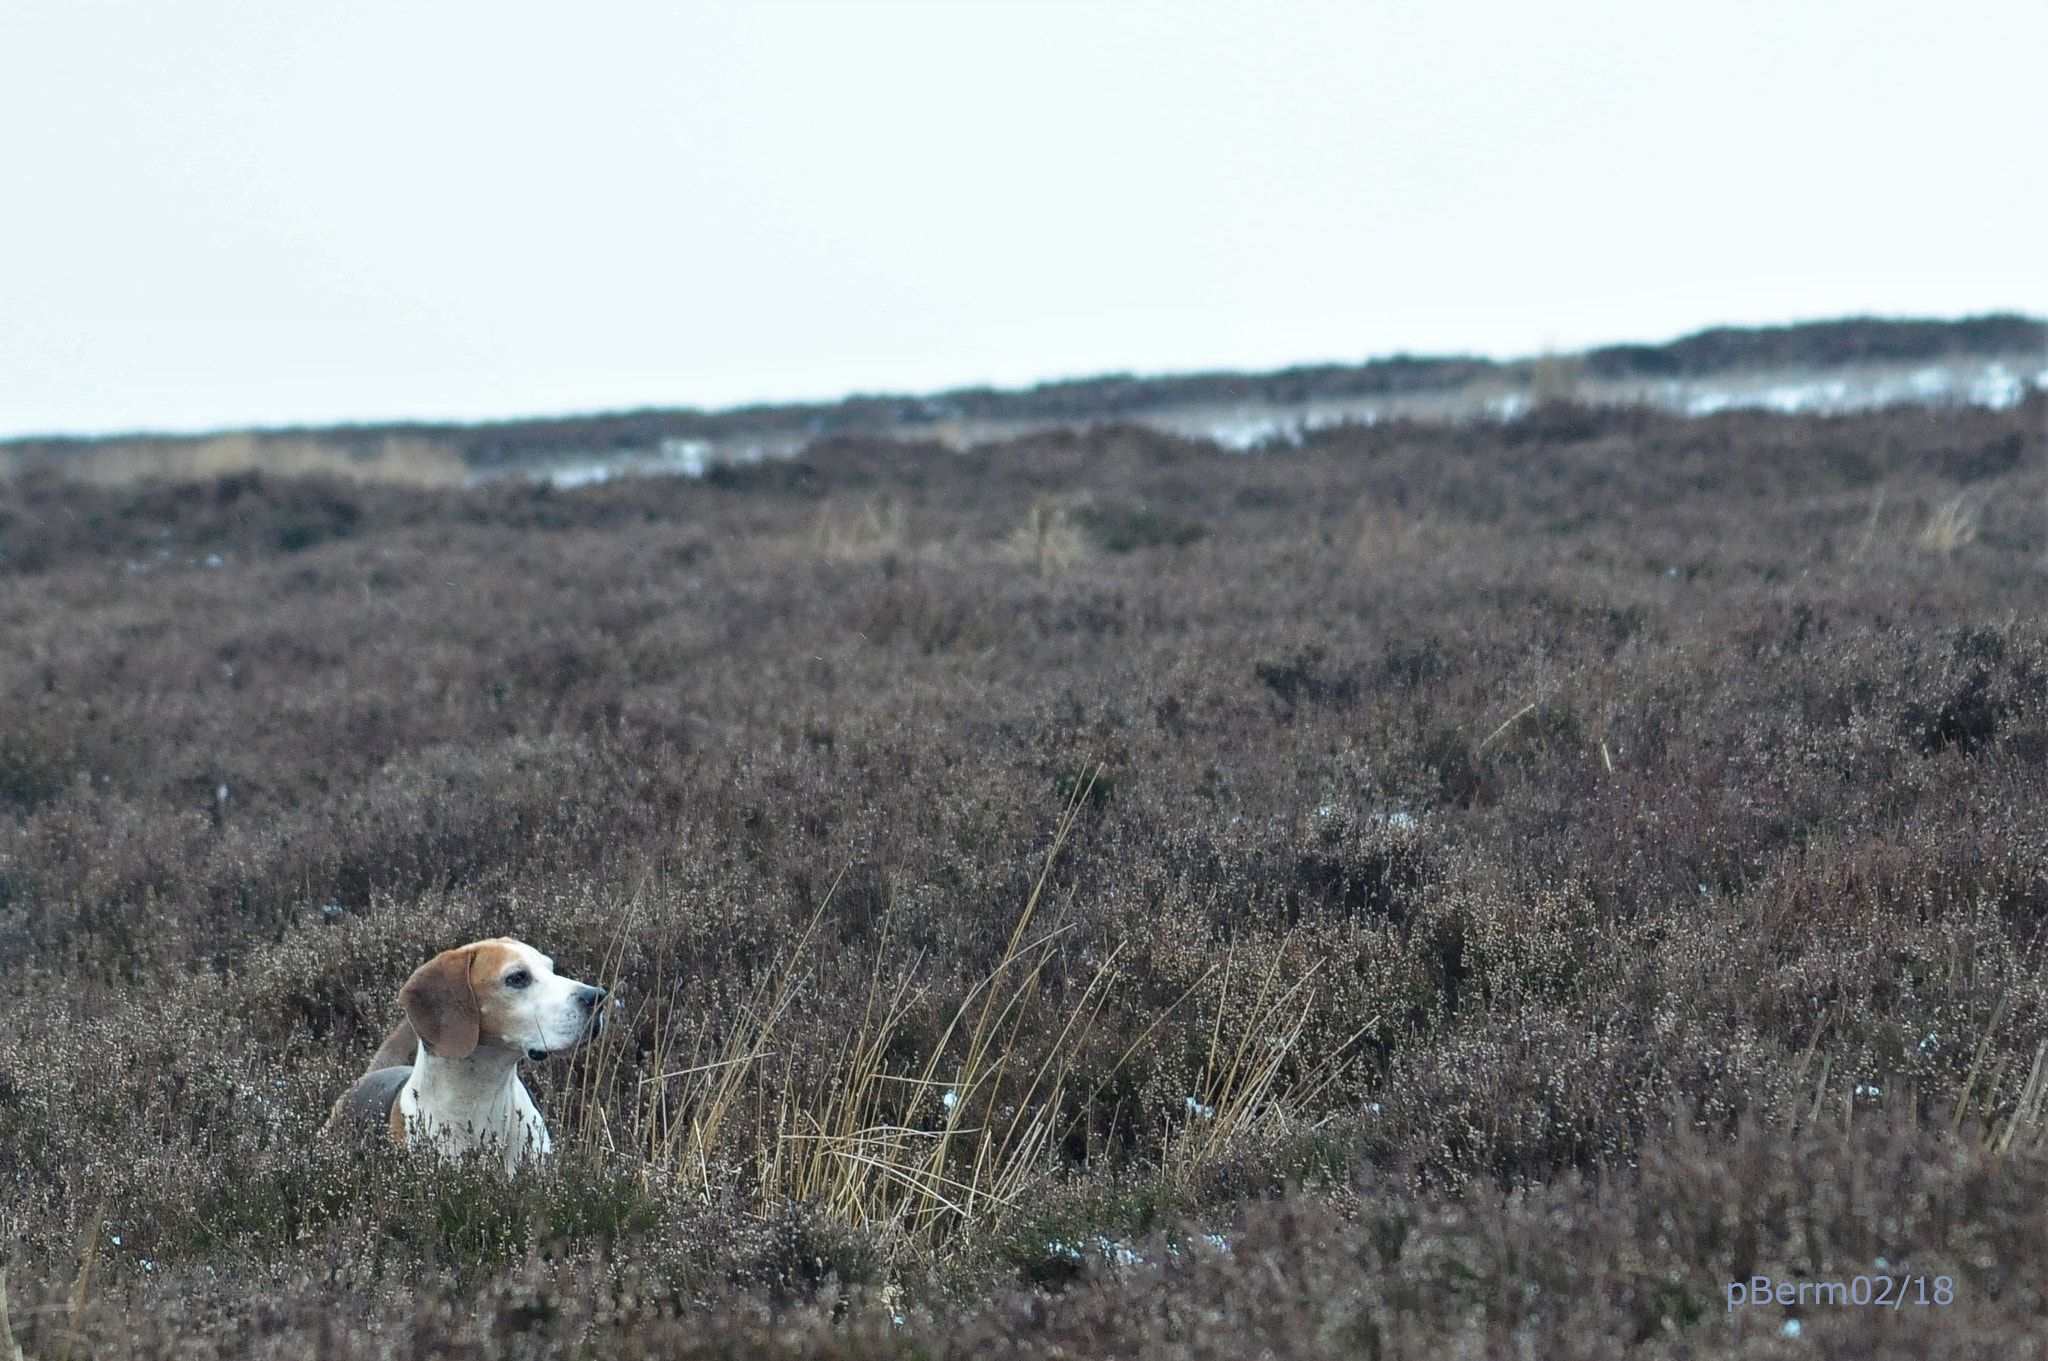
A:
(442, 455)
(1429, 890)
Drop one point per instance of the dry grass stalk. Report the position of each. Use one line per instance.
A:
(876, 529)
(847, 1137)
(10, 1350)
(1384, 535)
(1977, 1065)
(2028, 1111)
(1046, 539)
(1952, 524)
(1557, 377)
(1869, 528)
(1820, 1091)
(600, 1065)
(1236, 1098)
(1241, 1099)
(81, 1289)
(1502, 730)
(1798, 1082)
(693, 1146)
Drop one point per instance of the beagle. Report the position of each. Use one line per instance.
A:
(448, 1076)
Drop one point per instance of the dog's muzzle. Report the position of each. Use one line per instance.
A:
(585, 1000)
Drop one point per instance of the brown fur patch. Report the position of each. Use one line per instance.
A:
(489, 960)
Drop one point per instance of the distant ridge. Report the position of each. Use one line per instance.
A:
(1823, 344)
(488, 445)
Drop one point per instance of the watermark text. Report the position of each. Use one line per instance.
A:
(1886, 1292)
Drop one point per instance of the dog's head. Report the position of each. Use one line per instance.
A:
(501, 994)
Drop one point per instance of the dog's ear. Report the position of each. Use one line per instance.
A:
(441, 1005)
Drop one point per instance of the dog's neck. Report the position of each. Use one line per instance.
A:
(482, 1078)
(468, 1100)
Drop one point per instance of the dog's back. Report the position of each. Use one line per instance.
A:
(398, 1050)
(365, 1108)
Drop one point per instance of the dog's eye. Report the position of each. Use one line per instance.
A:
(518, 978)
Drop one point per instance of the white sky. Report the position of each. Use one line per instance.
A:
(218, 214)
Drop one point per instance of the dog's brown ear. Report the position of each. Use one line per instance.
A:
(442, 1006)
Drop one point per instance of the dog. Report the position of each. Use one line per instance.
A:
(448, 1076)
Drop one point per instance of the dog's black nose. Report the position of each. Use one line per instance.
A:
(588, 997)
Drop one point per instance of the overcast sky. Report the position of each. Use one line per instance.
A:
(221, 214)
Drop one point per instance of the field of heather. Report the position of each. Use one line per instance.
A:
(1438, 889)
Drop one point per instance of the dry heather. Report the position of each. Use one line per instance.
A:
(1434, 890)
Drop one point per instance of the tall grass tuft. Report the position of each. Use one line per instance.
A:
(1950, 525)
(919, 1153)
(877, 528)
(1046, 539)
(1243, 1102)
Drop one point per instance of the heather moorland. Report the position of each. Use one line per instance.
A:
(1429, 889)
